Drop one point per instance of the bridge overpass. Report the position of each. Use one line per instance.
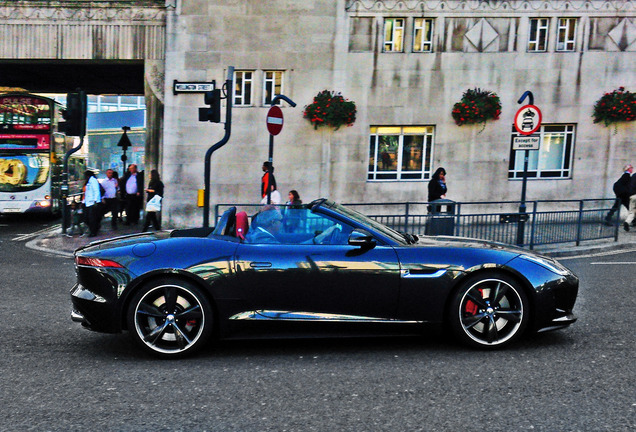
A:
(102, 47)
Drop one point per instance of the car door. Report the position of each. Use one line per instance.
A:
(320, 278)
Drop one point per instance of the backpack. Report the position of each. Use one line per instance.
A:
(102, 191)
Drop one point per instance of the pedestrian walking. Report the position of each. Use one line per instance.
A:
(133, 186)
(110, 200)
(153, 207)
(267, 180)
(92, 200)
(631, 215)
(621, 190)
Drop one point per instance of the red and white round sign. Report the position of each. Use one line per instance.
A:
(274, 120)
(528, 119)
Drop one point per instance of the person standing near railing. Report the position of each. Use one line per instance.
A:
(437, 186)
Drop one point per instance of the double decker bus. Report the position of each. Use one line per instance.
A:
(31, 155)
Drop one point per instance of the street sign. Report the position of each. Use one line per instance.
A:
(274, 120)
(528, 119)
(192, 87)
(526, 142)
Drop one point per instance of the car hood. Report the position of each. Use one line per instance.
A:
(465, 242)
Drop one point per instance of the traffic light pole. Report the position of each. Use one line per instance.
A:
(218, 145)
(74, 125)
(64, 203)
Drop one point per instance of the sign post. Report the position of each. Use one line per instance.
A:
(274, 122)
(527, 122)
(274, 126)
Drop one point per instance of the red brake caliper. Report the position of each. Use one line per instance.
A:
(471, 307)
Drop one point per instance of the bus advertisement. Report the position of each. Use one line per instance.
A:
(31, 155)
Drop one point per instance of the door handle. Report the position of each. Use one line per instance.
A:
(260, 264)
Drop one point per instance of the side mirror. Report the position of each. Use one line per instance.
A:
(362, 239)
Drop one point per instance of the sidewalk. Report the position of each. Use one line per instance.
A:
(55, 242)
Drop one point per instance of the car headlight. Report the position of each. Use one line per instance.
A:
(552, 265)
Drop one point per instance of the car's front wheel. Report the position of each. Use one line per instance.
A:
(489, 311)
(170, 318)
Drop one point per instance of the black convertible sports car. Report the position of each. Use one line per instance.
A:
(313, 269)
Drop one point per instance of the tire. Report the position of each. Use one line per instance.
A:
(489, 311)
(170, 318)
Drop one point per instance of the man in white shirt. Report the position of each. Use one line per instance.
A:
(111, 203)
(92, 197)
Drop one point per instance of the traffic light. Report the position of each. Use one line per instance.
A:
(75, 114)
(213, 113)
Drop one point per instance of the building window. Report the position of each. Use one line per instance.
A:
(423, 35)
(393, 34)
(552, 160)
(566, 36)
(538, 38)
(243, 88)
(400, 152)
(272, 86)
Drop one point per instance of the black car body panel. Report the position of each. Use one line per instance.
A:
(391, 279)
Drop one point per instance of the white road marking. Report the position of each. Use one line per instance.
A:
(614, 263)
(597, 254)
(23, 237)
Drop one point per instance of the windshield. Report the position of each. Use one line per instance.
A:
(365, 220)
(23, 171)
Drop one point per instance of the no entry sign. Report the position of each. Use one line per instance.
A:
(274, 120)
(528, 119)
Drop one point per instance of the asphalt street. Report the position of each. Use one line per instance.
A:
(57, 376)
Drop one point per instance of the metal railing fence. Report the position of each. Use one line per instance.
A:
(546, 221)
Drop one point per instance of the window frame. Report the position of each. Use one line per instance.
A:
(422, 28)
(375, 174)
(536, 35)
(535, 171)
(563, 32)
(243, 84)
(397, 33)
(272, 81)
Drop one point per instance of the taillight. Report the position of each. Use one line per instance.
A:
(96, 262)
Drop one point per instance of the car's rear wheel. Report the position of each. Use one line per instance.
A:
(170, 318)
(489, 311)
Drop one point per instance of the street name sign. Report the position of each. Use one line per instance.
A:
(274, 120)
(526, 142)
(192, 87)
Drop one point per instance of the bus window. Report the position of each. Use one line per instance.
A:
(23, 171)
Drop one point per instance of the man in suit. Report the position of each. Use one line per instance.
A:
(132, 189)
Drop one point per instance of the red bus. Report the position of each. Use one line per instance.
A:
(31, 155)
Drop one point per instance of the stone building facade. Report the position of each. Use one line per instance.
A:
(404, 63)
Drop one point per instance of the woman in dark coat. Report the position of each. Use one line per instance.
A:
(155, 187)
(437, 186)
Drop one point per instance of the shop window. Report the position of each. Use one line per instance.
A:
(400, 152)
(553, 160)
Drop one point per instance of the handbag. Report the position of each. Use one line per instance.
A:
(154, 205)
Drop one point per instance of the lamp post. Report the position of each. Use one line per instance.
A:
(124, 143)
